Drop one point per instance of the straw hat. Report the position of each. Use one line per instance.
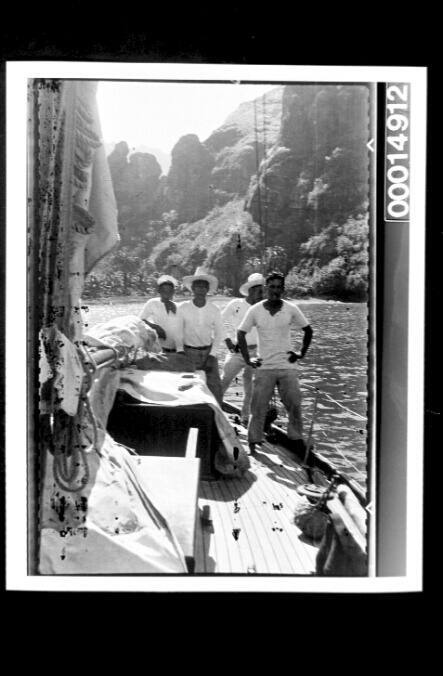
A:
(256, 279)
(167, 279)
(201, 273)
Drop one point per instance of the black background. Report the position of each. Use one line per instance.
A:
(220, 33)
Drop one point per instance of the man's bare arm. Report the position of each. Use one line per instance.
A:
(241, 340)
(308, 333)
(243, 346)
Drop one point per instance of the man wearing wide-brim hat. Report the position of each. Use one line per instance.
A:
(232, 316)
(162, 314)
(202, 328)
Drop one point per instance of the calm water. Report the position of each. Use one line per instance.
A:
(336, 364)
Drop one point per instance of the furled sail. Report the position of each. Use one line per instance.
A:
(90, 511)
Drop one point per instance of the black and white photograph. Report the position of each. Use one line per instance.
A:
(218, 271)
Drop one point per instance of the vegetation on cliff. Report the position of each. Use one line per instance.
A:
(283, 183)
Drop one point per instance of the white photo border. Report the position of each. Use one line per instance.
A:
(17, 75)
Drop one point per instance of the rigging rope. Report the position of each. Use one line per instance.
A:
(310, 387)
(346, 460)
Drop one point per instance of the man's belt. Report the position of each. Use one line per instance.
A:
(252, 347)
(200, 347)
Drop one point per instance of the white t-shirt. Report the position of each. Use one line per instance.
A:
(233, 315)
(274, 332)
(172, 323)
(201, 325)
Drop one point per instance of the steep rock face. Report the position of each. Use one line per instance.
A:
(239, 144)
(188, 189)
(286, 176)
(137, 188)
(317, 171)
(224, 240)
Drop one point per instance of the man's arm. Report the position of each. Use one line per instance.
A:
(228, 325)
(241, 339)
(148, 315)
(179, 339)
(246, 325)
(242, 344)
(158, 329)
(308, 333)
(218, 332)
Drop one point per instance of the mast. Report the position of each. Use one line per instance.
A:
(260, 220)
(265, 182)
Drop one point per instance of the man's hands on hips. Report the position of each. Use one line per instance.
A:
(294, 356)
(232, 347)
(255, 363)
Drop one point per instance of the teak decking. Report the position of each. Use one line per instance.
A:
(250, 527)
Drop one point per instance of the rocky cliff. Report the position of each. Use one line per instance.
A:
(317, 171)
(280, 171)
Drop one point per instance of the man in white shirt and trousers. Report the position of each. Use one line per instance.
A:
(202, 328)
(163, 315)
(232, 316)
(276, 364)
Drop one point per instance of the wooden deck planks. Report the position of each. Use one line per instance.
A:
(251, 505)
(279, 509)
(224, 511)
(241, 542)
(303, 551)
(268, 541)
(259, 558)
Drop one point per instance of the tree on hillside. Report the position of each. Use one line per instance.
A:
(334, 263)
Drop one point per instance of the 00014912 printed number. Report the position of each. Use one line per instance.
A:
(397, 163)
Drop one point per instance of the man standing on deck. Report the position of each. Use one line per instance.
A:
(273, 318)
(232, 316)
(202, 328)
(162, 315)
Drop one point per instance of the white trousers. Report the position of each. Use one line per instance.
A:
(288, 387)
(234, 363)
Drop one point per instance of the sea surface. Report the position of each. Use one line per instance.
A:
(334, 372)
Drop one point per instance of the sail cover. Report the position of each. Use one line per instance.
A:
(94, 516)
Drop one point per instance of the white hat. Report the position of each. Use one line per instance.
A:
(201, 273)
(167, 279)
(256, 279)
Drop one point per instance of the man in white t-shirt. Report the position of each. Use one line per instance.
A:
(162, 315)
(232, 316)
(202, 328)
(276, 364)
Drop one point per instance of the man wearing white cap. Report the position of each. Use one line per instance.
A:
(232, 316)
(202, 328)
(163, 315)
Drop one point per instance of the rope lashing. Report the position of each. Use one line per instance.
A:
(66, 472)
